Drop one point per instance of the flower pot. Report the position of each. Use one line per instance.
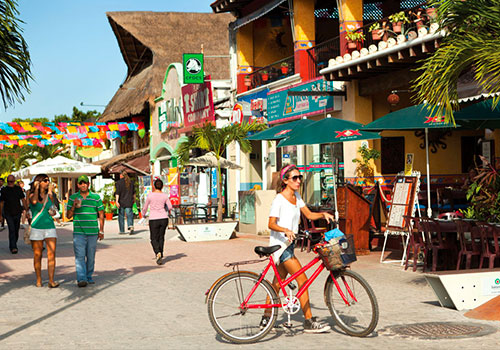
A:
(265, 77)
(396, 27)
(352, 44)
(248, 82)
(376, 34)
(109, 216)
(420, 24)
(284, 70)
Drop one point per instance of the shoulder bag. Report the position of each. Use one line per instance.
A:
(27, 231)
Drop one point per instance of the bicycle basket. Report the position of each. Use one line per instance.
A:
(330, 253)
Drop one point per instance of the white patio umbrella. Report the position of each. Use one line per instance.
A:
(59, 166)
(209, 160)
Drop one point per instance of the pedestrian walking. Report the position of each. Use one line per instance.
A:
(2, 219)
(11, 197)
(125, 199)
(87, 211)
(159, 205)
(24, 204)
(284, 219)
(41, 198)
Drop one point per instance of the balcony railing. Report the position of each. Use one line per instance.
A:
(273, 72)
(320, 54)
(129, 145)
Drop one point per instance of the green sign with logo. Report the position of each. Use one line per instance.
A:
(193, 68)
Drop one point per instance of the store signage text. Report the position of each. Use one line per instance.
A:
(198, 106)
(281, 106)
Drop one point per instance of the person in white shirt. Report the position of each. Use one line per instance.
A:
(284, 221)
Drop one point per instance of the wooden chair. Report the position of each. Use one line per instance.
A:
(467, 248)
(434, 240)
(489, 243)
(308, 225)
(416, 244)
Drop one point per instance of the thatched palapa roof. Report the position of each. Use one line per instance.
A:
(150, 41)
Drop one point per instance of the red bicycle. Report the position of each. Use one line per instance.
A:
(237, 299)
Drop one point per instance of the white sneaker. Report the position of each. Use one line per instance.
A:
(314, 326)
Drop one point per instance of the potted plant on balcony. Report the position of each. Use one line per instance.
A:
(248, 81)
(264, 75)
(284, 67)
(431, 12)
(376, 31)
(354, 39)
(364, 167)
(397, 20)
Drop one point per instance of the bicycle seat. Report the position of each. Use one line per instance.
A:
(266, 251)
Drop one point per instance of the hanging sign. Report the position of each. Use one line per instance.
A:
(408, 164)
(281, 106)
(198, 106)
(237, 114)
(193, 68)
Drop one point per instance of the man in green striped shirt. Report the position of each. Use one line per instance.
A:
(87, 208)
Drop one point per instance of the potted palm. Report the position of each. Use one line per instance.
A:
(398, 20)
(284, 68)
(364, 168)
(107, 193)
(214, 140)
(354, 39)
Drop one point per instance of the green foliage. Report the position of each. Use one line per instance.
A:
(399, 17)
(15, 61)
(374, 26)
(211, 139)
(364, 168)
(354, 35)
(284, 64)
(483, 195)
(472, 43)
(108, 196)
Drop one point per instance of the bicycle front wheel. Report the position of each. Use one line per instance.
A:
(351, 302)
(234, 323)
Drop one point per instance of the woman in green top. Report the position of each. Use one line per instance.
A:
(41, 199)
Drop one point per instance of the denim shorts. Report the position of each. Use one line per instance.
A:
(287, 253)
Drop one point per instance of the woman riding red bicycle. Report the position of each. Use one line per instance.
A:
(284, 221)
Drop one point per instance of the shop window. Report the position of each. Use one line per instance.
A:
(470, 149)
(392, 155)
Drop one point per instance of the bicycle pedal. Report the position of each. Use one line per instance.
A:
(287, 325)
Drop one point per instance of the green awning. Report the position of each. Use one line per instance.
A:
(328, 130)
(479, 111)
(410, 118)
(279, 132)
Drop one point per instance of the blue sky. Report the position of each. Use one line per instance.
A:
(75, 54)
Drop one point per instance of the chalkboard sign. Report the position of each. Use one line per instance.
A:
(404, 195)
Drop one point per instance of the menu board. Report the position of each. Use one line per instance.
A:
(403, 203)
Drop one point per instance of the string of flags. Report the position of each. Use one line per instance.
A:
(79, 134)
(67, 127)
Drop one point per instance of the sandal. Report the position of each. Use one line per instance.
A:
(38, 285)
(53, 285)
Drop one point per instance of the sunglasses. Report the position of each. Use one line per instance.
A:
(45, 180)
(83, 182)
(9, 181)
(296, 177)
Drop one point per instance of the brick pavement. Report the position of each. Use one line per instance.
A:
(137, 304)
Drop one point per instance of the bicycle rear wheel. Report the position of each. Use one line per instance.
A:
(359, 315)
(241, 326)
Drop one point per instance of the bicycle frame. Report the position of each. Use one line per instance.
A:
(283, 284)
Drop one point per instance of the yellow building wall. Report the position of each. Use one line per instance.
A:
(271, 43)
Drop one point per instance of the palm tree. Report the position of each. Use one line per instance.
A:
(15, 62)
(472, 42)
(211, 139)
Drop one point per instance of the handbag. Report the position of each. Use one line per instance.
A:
(27, 231)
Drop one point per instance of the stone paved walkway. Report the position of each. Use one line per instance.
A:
(136, 304)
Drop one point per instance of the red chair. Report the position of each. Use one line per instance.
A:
(467, 248)
(416, 244)
(313, 230)
(434, 240)
(489, 243)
